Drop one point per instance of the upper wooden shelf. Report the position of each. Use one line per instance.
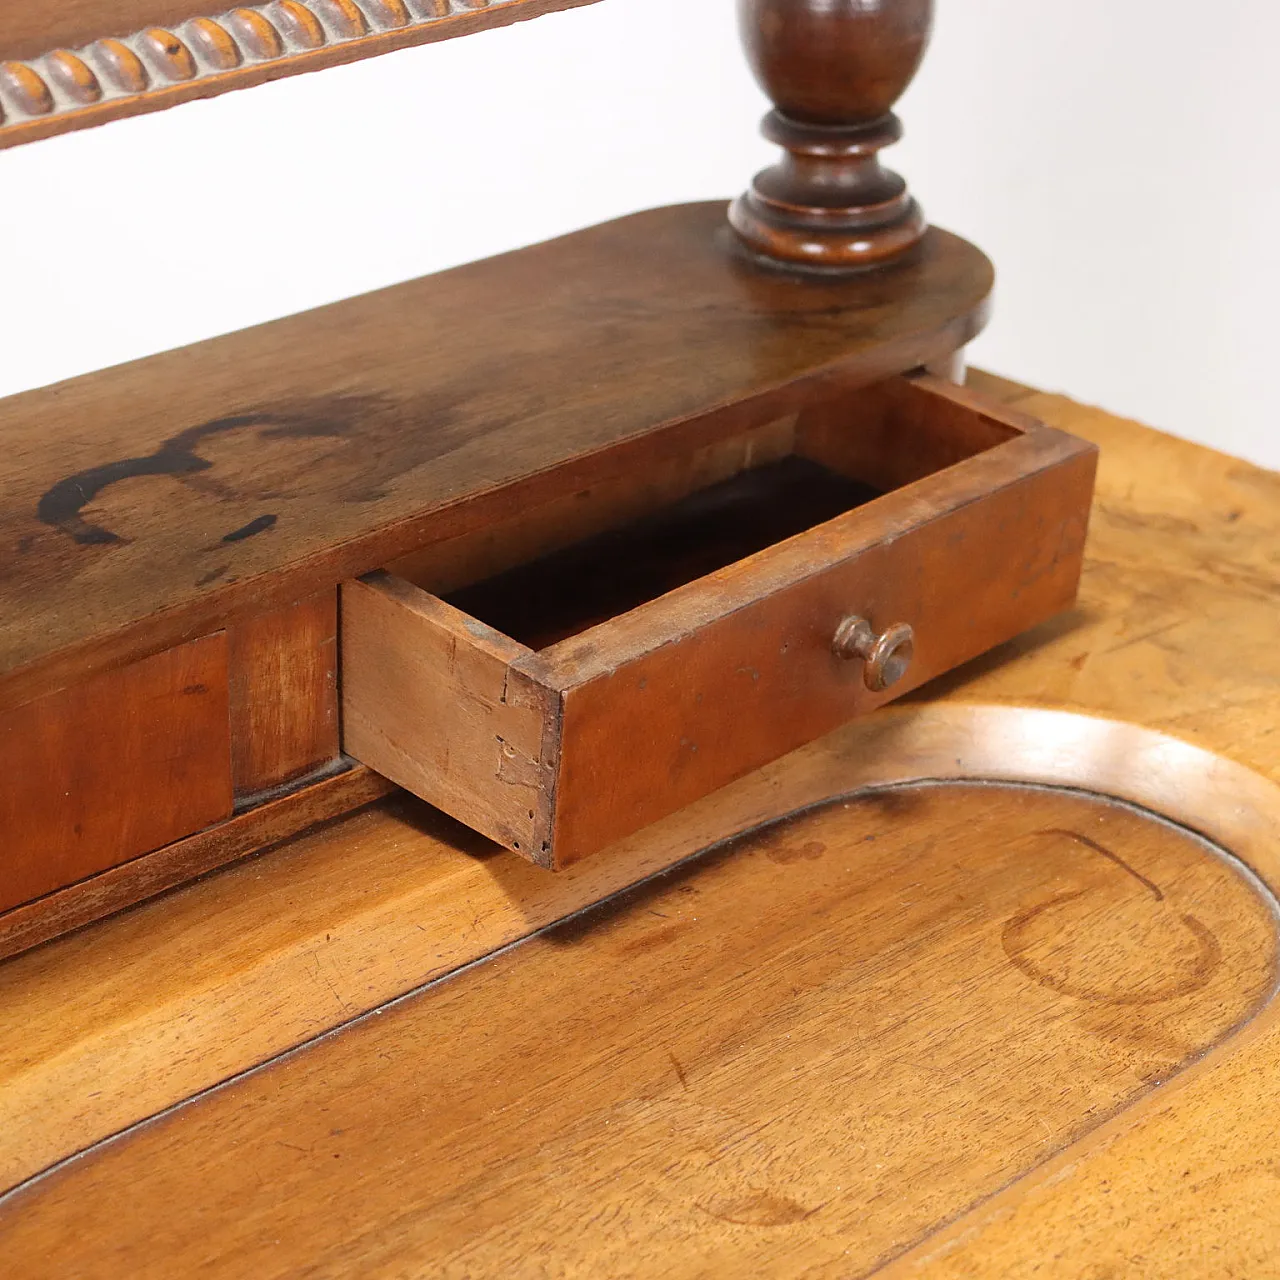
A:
(77, 63)
(152, 503)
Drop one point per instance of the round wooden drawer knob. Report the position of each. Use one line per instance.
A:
(887, 655)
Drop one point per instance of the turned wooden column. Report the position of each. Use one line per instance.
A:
(833, 69)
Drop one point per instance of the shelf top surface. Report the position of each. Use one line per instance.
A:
(147, 503)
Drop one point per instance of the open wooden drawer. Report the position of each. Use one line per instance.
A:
(580, 670)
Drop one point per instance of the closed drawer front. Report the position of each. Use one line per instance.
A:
(559, 749)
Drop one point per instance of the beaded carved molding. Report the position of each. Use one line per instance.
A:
(159, 67)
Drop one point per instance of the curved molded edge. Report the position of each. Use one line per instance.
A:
(1234, 807)
(197, 56)
(150, 1035)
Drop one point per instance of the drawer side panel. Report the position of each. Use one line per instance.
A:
(429, 701)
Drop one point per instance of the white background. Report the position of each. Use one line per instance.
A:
(1119, 159)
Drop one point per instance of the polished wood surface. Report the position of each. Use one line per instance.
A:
(705, 1087)
(139, 1012)
(152, 503)
(119, 789)
(143, 1010)
(94, 776)
(834, 69)
(70, 64)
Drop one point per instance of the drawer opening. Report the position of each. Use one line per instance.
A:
(571, 590)
(556, 571)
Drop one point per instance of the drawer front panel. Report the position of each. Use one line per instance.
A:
(657, 714)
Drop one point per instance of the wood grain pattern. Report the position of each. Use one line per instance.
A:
(108, 769)
(746, 1092)
(78, 63)
(156, 502)
(284, 695)
(1183, 1186)
(123, 1019)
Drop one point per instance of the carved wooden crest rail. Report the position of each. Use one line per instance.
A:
(67, 66)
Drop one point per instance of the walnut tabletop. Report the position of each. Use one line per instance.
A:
(981, 985)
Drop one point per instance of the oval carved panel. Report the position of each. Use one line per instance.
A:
(798, 1052)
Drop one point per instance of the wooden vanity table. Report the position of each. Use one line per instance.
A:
(454, 822)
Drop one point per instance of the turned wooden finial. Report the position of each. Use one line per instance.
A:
(833, 69)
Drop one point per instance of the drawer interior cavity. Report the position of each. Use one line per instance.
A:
(549, 573)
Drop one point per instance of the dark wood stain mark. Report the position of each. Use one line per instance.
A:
(1016, 944)
(1110, 854)
(675, 1062)
(654, 939)
(260, 525)
(759, 1209)
(785, 854)
(62, 506)
(212, 576)
(895, 802)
